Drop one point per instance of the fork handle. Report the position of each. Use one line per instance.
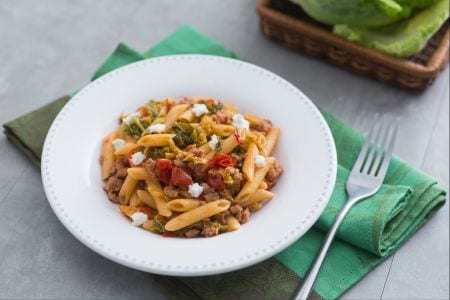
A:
(305, 288)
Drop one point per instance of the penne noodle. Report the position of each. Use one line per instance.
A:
(259, 196)
(156, 140)
(271, 140)
(187, 116)
(182, 205)
(160, 202)
(197, 214)
(252, 118)
(174, 114)
(231, 142)
(250, 187)
(223, 129)
(248, 168)
(258, 138)
(263, 185)
(232, 223)
(107, 155)
(134, 200)
(127, 189)
(229, 108)
(146, 198)
(255, 206)
(205, 148)
(140, 174)
(125, 149)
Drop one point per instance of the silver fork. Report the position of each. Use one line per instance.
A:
(364, 180)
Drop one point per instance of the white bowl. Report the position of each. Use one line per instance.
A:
(71, 172)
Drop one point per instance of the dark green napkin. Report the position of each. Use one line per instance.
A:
(372, 231)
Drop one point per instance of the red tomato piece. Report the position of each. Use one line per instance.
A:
(180, 177)
(164, 170)
(221, 161)
(150, 212)
(216, 181)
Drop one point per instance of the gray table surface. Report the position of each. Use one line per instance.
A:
(50, 47)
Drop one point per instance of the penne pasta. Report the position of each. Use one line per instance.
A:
(187, 116)
(127, 189)
(232, 223)
(229, 108)
(156, 140)
(260, 195)
(197, 214)
(182, 205)
(271, 140)
(205, 148)
(174, 114)
(250, 187)
(231, 142)
(160, 202)
(223, 130)
(134, 200)
(252, 118)
(146, 198)
(263, 185)
(107, 155)
(140, 174)
(125, 149)
(248, 168)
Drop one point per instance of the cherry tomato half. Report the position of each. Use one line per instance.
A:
(164, 170)
(180, 177)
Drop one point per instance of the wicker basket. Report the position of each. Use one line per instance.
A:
(285, 22)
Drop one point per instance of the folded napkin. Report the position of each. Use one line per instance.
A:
(373, 229)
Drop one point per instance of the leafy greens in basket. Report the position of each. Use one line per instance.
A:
(397, 27)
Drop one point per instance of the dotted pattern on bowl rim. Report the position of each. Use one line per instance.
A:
(155, 267)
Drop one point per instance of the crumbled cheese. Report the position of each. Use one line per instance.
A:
(260, 161)
(128, 119)
(238, 121)
(213, 142)
(199, 109)
(118, 143)
(137, 158)
(138, 218)
(195, 190)
(157, 128)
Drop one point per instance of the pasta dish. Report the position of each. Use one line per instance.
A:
(188, 168)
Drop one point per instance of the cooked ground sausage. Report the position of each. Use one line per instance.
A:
(262, 125)
(273, 174)
(222, 117)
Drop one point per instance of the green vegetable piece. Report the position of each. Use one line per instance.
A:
(185, 134)
(361, 13)
(404, 38)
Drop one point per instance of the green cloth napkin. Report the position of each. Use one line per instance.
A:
(372, 230)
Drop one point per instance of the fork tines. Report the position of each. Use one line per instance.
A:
(377, 150)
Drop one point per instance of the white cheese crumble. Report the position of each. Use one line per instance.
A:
(138, 218)
(137, 158)
(213, 142)
(118, 143)
(157, 128)
(199, 109)
(260, 161)
(195, 190)
(238, 121)
(128, 119)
